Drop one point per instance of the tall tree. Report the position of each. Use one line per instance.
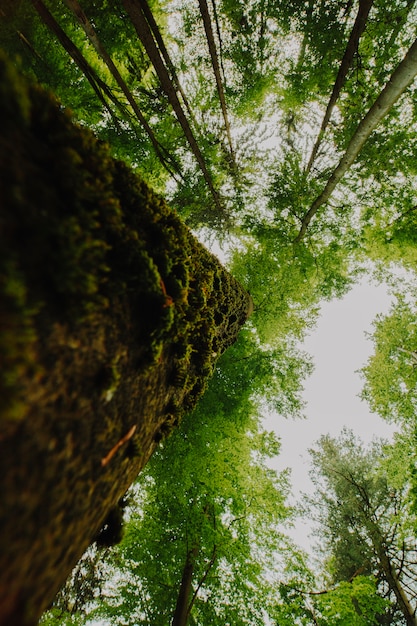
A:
(365, 520)
(142, 27)
(205, 14)
(101, 50)
(105, 297)
(345, 65)
(95, 81)
(400, 80)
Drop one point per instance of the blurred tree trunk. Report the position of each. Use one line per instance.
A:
(111, 318)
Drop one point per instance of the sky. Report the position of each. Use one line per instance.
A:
(339, 348)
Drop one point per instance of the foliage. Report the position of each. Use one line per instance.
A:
(278, 61)
(354, 603)
(208, 488)
(365, 518)
(390, 374)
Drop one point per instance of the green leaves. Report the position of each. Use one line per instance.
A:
(354, 603)
(366, 523)
(391, 373)
(208, 491)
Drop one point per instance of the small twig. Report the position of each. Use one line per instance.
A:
(168, 299)
(110, 455)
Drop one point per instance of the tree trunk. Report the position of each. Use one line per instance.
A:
(96, 83)
(397, 589)
(165, 55)
(402, 77)
(144, 32)
(111, 318)
(181, 613)
(351, 49)
(74, 6)
(205, 14)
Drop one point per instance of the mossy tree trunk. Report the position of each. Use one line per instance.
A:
(111, 318)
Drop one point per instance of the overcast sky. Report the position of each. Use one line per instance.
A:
(339, 348)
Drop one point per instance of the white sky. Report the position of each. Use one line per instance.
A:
(339, 348)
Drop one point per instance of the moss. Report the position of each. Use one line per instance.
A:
(108, 330)
(113, 376)
(97, 233)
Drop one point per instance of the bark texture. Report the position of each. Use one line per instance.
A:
(111, 318)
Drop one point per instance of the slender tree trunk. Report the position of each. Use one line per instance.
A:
(76, 9)
(389, 573)
(219, 37)
(205, 14)
(351, 49)
(165, 55)
(402, 77)
(97, 84)
(181, 613)
(145, 35)
(397, 589)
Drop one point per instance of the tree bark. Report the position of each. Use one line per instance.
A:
(351, 49)
(402, 78)
(111, 317)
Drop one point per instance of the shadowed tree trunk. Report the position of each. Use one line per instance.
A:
(166, 57)
(205, 14)
(181, 613)
(111, 318)
(96, 83)
(89, 30)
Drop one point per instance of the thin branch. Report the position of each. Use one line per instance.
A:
(105, 460)
(202, 579)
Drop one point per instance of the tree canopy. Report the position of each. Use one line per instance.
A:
(283, 132)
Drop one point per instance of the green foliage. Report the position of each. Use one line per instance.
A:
(366, 521)
(208, 486)
(390, 374)
(354, 603)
